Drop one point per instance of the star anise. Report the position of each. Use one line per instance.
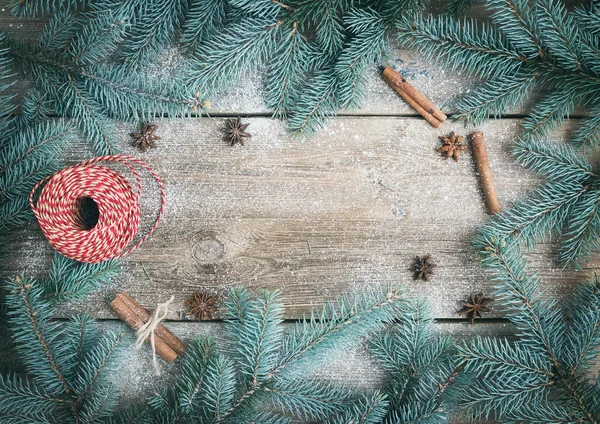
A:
(473, 307)
(146, 137)
(202, 305)
(423, 267)
(453, 146)
(235, 132)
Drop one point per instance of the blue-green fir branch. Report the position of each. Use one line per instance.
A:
(65, 364)
(580, 238)
(70, 280)
(538, 319)
(243, 45)
(458, 8)
(559, 34)
(59, 32)
(154, 30)
(423, 370)
(29, 154)
(582, 346)
(587, 16)
(20, 397)
(76, 83)
(550, 113)
(526, 46)
(317, 102)
(477, 47)
(202, 22)
(518, 21)
(541, 376)
(555, 161)
(339, 324)
(6, 105)
(44, 7)
(588, 133)
(273, 378)
(370, 409)
(35, 109)
(310, 400)
(366, 47)
(493, 98)
(566, 205)
(258, 334)
(285, 72)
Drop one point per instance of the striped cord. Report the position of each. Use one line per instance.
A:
(59, 207)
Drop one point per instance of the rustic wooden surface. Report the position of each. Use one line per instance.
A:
(313, 217)
(347, 208)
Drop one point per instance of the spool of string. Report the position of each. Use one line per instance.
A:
(90, 212)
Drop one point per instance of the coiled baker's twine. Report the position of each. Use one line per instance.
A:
(59, 209)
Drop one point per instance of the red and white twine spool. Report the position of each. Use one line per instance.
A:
(59, 209)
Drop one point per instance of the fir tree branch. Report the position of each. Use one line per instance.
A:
(518, 22)
(155, 27)
(308, 399)
(30, 325)
(21, 289)
(559, 33)
(43, 7)
(285, 73)
(499, 355)
(317, 102)
(95, 362)
(70, 280)
(588, 134)
(476, 47)
(550, 113)
(583, 342)
(517, 288)
(52, 134)
(493, 98)
(555, 161)
(259, 337)
(546, 210)
(579, 400)
(369, 409)
(458, 8)
(380, 309)
(203, 20)
(19, 396)
(14, 213)
(198, 356)
(546, 325)
(581, 235)
(58, 32)
(352, 320)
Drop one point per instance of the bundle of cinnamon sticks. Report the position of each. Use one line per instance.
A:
(413, 97)
(168, 345)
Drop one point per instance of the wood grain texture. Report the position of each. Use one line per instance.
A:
(315, 218)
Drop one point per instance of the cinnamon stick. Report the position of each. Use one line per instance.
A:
(133, 321)
(413, 97)
(485, 173)
(161, 331)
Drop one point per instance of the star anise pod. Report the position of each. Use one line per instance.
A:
(423, 267)
(202, 305)
(453, 146)
(235, 131)
(146, 137)
(473, 307)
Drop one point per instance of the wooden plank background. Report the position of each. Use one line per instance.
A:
(313, 217)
